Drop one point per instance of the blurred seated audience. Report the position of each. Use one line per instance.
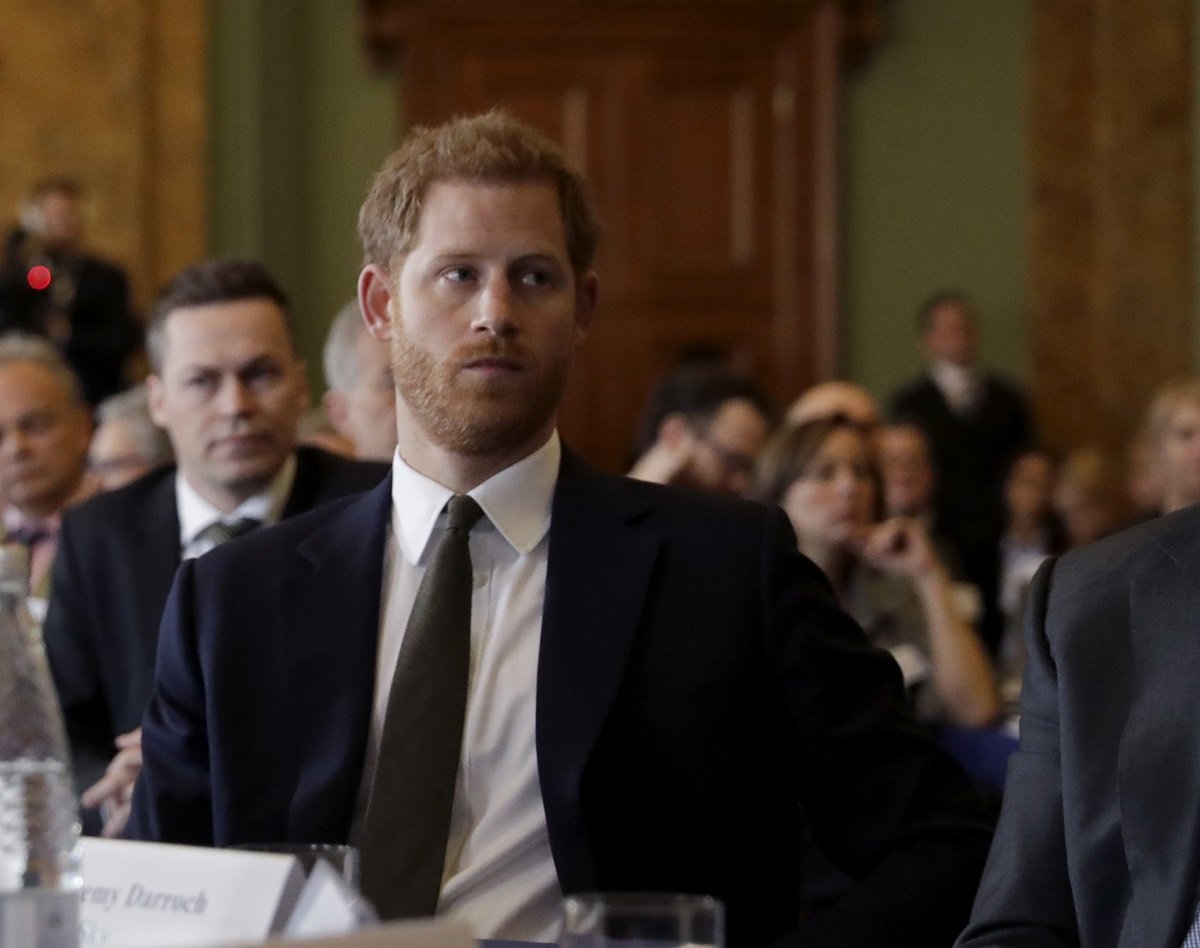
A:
(886, 574)
(127, 443)
(1172, 433)
(976, 421)
(906, 468)
(1090, 497)
(45, 426)
(826, 399)
(1143, 479)
(702, 428)
(228, 386)
(361, 400)
(1031, 533)
(51, 286)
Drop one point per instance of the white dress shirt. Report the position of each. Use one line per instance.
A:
(196, 513)
(499, 875)
(959, 385)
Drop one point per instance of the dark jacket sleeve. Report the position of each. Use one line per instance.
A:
(173, 797)
(70, 637)
(1025, 898)
(883, 799)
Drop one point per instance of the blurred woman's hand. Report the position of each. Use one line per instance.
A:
(900, 545)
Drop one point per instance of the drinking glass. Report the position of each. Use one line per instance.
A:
(642, 920)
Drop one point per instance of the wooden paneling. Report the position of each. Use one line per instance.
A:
(112, 92)
(707, 131)
(1111, 258)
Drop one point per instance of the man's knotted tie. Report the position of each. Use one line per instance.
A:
(404, 833)
(219, 531)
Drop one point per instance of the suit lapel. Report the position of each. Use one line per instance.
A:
(309, 487)
(156, 556)
(601, 556)
(1159, 763)
(331, 594)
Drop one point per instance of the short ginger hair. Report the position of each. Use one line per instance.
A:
(491, 148)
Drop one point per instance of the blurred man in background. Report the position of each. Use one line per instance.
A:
(50, 285)
(127, 443)
(361, 401)
(703, 428)
(44, 431)
(229, 388)
(975, 423)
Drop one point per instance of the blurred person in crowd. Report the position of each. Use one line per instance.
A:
(976, 422)
(658, 681)
(228, 387)
(827, 399)
(907, 471)
(1096, 844)
(1032, 532)
(361, 400)
(50, 285)
(906, 468)
(1172, 433)
(887, 574)
(44, 430)
(1089, 497)
(702, 428)
(126, 443)
(1143, 478)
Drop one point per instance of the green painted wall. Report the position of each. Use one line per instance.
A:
(936, 184)
(299, 126)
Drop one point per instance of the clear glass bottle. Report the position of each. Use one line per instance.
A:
(39, 826)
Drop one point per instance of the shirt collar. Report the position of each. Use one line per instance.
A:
(515, 501)
(14, 519)
(951, 375)
(196, 513)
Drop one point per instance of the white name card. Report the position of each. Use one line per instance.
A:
(153, 895)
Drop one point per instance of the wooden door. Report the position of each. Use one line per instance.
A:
(707, 132)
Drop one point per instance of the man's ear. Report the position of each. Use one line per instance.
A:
(154, 400)
(375, 293)
(586, 295)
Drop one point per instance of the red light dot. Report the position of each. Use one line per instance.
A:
(38, 277)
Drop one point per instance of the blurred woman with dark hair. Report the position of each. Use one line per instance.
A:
(886, 574)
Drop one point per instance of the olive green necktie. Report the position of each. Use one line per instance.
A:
(404, 833)
(220, 531)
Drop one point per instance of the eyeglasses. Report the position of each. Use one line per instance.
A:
(732, 460)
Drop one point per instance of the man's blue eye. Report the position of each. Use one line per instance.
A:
(540, 276)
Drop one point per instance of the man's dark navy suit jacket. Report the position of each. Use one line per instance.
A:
(696, 683)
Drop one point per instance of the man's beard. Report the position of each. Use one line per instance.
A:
(477, 416)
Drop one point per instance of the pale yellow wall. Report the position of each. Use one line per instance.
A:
(112, 94)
